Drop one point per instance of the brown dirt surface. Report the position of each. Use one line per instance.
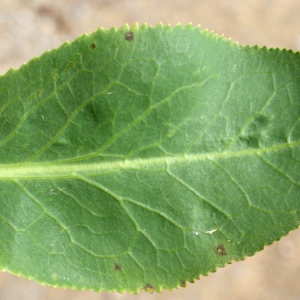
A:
(28, 28)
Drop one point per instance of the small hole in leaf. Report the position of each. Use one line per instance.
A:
(118, 267)
(129, 36)
(220, 250)
(93, 46)
(148, 288)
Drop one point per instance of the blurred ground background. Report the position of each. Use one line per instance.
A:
(28, 28)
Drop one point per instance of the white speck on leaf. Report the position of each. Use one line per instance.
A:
(52, 192)
(211, 231)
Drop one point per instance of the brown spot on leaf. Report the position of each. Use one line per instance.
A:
(148, 288)
(118, 267)
(183, 283)
(93, 46)
(220, 250)
(129, 36)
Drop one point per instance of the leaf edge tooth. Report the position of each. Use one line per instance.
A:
(144, 26)
(157, 289)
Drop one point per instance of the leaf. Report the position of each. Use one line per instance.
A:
(145, 157)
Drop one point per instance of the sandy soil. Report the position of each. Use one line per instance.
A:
(28, 28)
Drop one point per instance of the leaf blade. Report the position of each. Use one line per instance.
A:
(142, 163)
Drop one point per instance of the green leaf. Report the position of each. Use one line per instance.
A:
(143, 158)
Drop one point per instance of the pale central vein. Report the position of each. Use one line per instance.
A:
(54, 170)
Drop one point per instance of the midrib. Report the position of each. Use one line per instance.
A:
(54, 170)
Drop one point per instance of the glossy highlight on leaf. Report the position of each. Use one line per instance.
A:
(140, 159)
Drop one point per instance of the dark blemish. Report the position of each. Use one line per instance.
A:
(250, 141)
(148, 288)
(118, 267)
(252, 135)
(93, 46)
(129, 36)
(183, 283)
(260, 122)
(257, 125)
(220, 250)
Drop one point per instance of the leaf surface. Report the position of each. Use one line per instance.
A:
(143, 158)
